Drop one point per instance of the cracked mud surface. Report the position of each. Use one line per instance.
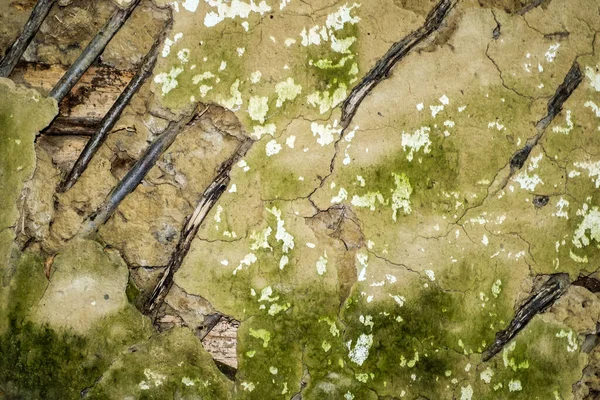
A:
(387, 199)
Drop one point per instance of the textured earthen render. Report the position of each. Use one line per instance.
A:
(382, 199)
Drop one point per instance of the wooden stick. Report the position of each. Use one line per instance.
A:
(12, 56)
(537, 303)
(209, 198)
(91, 52)
(398, 51)
(135, 175)
(109, 120)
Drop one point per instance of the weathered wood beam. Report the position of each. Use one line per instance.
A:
(112, 116)
(16, 50)
(91, 52)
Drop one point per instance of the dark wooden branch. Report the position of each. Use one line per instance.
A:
(91, 52)
(14, 53)
(398, 51)
(209, 198)
(110, 119)
(562, 94)
(533, 4)
(65, 126)
(135, 175)
(537, 303)
(555, 104)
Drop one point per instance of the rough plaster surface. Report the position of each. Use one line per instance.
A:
(374, 260)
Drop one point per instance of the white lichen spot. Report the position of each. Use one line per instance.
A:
(466, 393)
(154, 377)
(341, 196)
(338, 19)
(485, 240)
(325, 133)
(168, 43)
(289, 41)
(420, 107)
(261, 130)
(168, 80)
(578, 259)
(243, 165)
(593, 106)
(561, 206)
(416, 141)
(430, 274)
(190, 5)
(283, 262)
(248, 260)
(326, 101)
(360, 352)
(363, 262)
(528, 182)
(218, 214)
(591, 223)
(497, 288)
(398, 299)
(258, 108)
(255, 76)
(567, 129)
(232, 9)
(204, 89)
(202, 77)
(287, 90)
(593, 170)
(240, 51)
(342, 45)
(272, 148)
(322, 264)
(348, 396)
(497, 125)
(572, 345)
(487, 375)
(187, 381)
(266, 295)
(514, 385)
(593, 77)
(435, 110)
(552, 51)
(282, 235)
(235, 100)
(290, 141)
(368, 200)
(184, 55)
(261, 239)
(248, 386)
(401, 195)
(444, 100)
